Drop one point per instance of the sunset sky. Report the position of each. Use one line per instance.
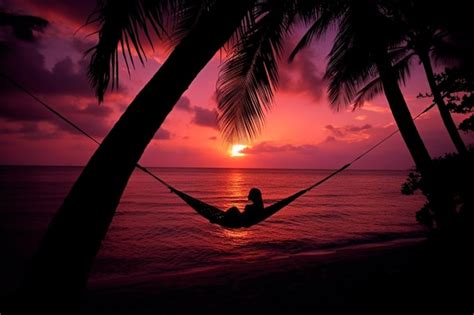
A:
(301, 131)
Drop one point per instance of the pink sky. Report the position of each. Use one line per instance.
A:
(301, 131)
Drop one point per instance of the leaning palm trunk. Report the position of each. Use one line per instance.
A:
(62, 263)
(443, 110)
(440, 203)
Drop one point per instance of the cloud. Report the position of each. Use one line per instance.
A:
(64, 86)
(76, 11)
(360, 117)
(341, 131)
(204, 117)
(302, 75)
(19, 110)
(374, 108)
(184, 104)
(82, 45)
(26, 65)
(93, 118)
(266, 147)
(162, 134)
(349, 133)
(31, 130)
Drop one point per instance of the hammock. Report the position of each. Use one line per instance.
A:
(213, 214)
(217, 216)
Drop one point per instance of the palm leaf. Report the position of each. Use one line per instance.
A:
(351, 64)
(326, 15)
(249, 76)
(122, 24)
(187, 16)
(375, 87)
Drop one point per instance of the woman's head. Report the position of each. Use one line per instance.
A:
(255, 195)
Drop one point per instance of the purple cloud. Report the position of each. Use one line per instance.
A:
(302, 75)
(27, 66)
(162, 134)
(184, 103)
(330, 139)
(18, 110)
(204, 117)
(83, 44)
(64, 86)
(76, 11)
(345, 130)
(266, 147)
(31, 130)
(349, 133)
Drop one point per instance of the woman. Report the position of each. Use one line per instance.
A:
(255, 195)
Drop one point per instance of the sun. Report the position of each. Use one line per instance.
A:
(235, 150)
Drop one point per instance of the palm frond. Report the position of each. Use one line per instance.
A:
(249, 76)
(349, 64)
(188, 15)
(121, 24)
(375, 87)
(326, 15)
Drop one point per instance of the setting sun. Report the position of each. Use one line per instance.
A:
(235, 150)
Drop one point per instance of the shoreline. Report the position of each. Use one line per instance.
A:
(320, 256)
(389, 277)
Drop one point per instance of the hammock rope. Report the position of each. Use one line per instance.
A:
(213, 214)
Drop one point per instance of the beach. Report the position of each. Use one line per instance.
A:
(398, 277)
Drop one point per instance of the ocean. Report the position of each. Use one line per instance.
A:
(155, 233)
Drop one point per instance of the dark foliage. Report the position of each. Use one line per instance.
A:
(457, 87)
(456, 169)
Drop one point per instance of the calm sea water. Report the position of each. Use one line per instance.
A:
(154, 232)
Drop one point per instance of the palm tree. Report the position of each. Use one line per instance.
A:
(426, 36)
(61, 265)
(249, 75)
(361, 53)
(422, 35)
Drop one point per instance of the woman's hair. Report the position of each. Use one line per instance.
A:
(255, 195)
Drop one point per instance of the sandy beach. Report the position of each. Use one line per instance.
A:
(400, 277)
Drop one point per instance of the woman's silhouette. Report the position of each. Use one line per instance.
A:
(255, 195)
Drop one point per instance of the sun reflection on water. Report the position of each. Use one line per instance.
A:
(237, 236)
(235, 189)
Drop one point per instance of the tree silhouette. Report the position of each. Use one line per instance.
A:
(360, 54)
(60, 267)
(422, 34)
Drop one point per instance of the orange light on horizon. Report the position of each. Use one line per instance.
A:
(236, 149)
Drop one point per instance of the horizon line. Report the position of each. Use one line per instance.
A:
(216, 167)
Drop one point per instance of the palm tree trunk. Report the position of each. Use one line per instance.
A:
(62, 263)
(441, 204)
(402, 115)
(443, 110)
